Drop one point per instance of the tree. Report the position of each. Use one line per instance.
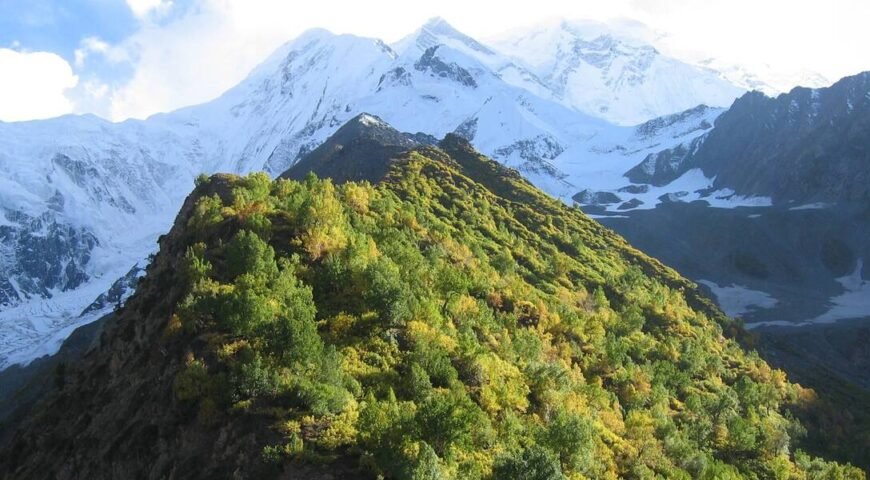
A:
(426, 466)
(248, 253)
(294, 337)
(533, 463)
(207, 212)
(449, 418)
(324, 222)
(572, 437)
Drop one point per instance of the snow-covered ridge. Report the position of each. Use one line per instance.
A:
(607, 73)
(762, 78)
(85, 199)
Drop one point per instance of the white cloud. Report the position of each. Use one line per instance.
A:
(88, 46)
(142, 8)
(33, 85)
(94, 45)
(96, 89)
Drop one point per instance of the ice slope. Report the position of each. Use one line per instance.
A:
(601, 71)
(83, 200)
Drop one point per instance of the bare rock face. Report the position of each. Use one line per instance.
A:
(42, 254)
(430, 62)
(809, 145)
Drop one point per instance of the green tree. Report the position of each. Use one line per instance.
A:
(533, 463)
(294, 336)
(248, 253)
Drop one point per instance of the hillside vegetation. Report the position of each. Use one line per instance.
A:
(450, 321)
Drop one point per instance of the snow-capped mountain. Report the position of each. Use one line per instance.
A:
(604, 72)
(83, 199)
(764, 79)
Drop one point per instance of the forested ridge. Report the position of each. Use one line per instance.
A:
(448, 321)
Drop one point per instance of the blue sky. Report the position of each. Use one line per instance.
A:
(90, 36)
(133, 58)
(59, 26)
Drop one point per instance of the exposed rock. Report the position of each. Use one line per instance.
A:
(396, 76)
(430, 62)
(634, 189)
(591, 197)
(654, 127)
(359, 150)
(664, 167)
(672, 197)
(118, 292)
(633, 203)
(468, 129)
(41, 255)
(535, 155)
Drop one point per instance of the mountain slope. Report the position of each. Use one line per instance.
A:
(81, 204)
(791, 266)
(805, 146)
(797, 166)
(451, 321)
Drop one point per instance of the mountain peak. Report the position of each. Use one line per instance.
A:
(360, 150)
(438, 23)
(368, 120)
(780, 132)
(437, 31)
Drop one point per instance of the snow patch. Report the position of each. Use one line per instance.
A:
(854, 302)
(593, 216)
(37, 328)
(737, 300)
(370, 121)
(604, 70)
(690, 187)
(811, 206)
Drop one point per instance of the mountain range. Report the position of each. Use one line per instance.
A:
(466, 255)
(762, 203)
(84, 200)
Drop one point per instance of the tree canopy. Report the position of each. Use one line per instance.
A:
(454, 322)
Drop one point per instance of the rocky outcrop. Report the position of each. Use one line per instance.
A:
(430, 62)
(664, 167)
(41, 255)
(591, 197)
(654, 127)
